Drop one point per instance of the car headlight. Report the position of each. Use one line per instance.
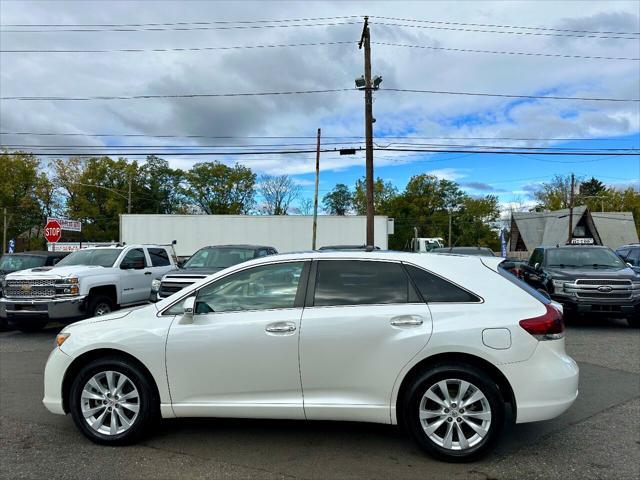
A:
(155, 285)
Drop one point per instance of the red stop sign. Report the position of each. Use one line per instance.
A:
(52, 231)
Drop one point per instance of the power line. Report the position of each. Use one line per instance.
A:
(507, 32)
(289, 152)
(501, 52)
(185, 49)
(282, 145)
(177, 28)
(302, 92)
(503, 26)
(71, 134)
(218, 22)
(189, 95)
(505, 95)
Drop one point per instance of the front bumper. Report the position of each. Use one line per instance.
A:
(611, 308)
(16, 310)
(545, 385)
(57, 364)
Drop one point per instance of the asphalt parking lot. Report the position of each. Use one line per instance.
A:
(599, 437)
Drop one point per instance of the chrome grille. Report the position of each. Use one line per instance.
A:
(609, 282)
(37, 291)
(46, 282)
(603, 289)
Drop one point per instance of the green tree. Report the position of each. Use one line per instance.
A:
(425, 204)
(555, 194)
(219, 189)
(383, 195)
(476, 222)
(96, 193)
(158, 188)
(338, 201)
(18, 193)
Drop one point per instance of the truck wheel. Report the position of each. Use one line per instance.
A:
(634, 321)
(31, 326)
(99, 305)
(113, 402)
(455, 412)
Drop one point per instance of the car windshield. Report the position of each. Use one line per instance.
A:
(103, 257)
(219, 257)
(16, 261)
(583, 257)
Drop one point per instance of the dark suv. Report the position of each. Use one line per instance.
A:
(586, 279)
(631, 255)
(203, 263)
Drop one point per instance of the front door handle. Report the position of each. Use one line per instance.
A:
(406, 321)
(147, 273)
(281, 327)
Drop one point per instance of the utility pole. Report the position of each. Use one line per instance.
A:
(315, 195)
(450, 215)
(368, 113)
(4, 232)
(571, 209)
(129, 196)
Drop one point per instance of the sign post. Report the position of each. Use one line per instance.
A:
(52, 232)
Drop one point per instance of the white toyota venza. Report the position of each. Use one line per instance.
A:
(446, 346)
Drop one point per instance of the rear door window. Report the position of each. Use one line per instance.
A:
(436, 289)
(353, 282)
(159, 257)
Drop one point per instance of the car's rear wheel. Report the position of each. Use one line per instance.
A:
(454, 412)
(113, 402)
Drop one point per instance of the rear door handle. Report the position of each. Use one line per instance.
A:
(406, 321)
(281, 327)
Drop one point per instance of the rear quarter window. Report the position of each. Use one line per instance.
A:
(435, 289)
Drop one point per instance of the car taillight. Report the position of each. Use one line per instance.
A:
(546, 327)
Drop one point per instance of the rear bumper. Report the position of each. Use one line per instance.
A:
(611, 308)
(545, 385)
(19, 310)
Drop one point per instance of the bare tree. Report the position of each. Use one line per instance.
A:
(305, 206)
(278, 193)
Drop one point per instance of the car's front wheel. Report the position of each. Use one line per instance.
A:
(455, 412)
(112, 401)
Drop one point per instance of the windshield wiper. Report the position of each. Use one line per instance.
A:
(606, 265)
(563, 265)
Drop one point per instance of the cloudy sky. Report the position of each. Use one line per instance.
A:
(427, 38)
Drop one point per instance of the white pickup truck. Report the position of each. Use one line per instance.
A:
(87, 283)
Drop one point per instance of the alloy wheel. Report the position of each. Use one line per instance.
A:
(110, 403)
(102, 309)
(455, 414)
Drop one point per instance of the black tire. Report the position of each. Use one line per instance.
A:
(413, 402)
(148, 402)
(634, 321)
(31, 326)
(99, 305)
(4, 325)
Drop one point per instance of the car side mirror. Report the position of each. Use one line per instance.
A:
(189, 305)
(126, 266)
(536, 267)
(188, 310)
